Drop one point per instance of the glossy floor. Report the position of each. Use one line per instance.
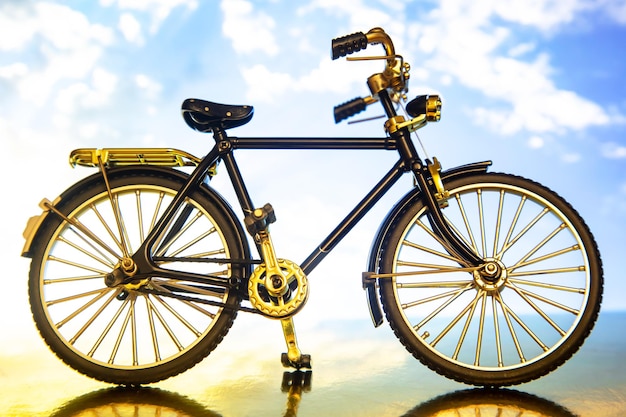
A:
(357, 371)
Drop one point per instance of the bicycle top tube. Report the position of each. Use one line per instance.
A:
(314, 143)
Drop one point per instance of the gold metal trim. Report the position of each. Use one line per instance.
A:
(442, 194)
(34, 223)
(111, 157)
(396, 123)
(433, 108)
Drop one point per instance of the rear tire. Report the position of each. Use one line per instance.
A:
(124, 335)
(520, 322)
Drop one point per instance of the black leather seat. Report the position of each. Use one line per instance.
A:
(204, 115)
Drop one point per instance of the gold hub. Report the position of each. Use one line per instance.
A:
(492, 276)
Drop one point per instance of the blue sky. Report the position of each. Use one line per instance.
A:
(537, 87)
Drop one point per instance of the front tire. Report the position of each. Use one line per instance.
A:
(124, 334)
(519, 316)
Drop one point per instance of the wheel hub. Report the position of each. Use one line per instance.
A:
(491, 276)
(120, 276)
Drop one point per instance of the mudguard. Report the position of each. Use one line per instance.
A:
(369, 284)
(35, 222)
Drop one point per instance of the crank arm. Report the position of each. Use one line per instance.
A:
(293, 358)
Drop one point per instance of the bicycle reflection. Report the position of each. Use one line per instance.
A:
(133, 401)
(145, 401)
(487, 403)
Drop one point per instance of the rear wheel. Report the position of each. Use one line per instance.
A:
(129, 334)
(520, 314)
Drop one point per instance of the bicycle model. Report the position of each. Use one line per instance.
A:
(139, 270)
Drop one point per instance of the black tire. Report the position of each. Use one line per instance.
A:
(123, 335)
(518, 323)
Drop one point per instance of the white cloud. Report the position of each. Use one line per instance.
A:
(360, 15)
(68, 47)
(130, 28)
(12, 71)
(330, 76)
(159, 10)
(571, 158)
(536, 142)
(94, 94)
(60, 26)
(612, 150)
(148, 85)
(249, 30)
(521, 49)
(264, 85)
(616, 9)
(543, 14)
(529, 99)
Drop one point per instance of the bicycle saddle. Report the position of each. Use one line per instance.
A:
(204, 115)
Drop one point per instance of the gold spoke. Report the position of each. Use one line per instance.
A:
(545, 257)
(540, 245)
(481, 216)
(454, 321)
(429, 250)
(470, 316)
(454, 297)
(548, 286)
(93, 317)
(106, 262)
(523, 293)
(107, 329)
(525, 230)
(77, 265)
(467, 224)
(548, 271)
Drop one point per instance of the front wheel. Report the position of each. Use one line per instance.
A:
(143, 331)
(521, 313)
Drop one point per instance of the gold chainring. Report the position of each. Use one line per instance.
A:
(279, 306)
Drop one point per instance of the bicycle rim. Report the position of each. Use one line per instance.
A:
(523, 321)
(105, 332)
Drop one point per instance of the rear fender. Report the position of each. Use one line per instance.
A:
(34, 223)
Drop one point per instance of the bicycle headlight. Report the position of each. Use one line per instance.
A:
(433, 108)
(427, 105)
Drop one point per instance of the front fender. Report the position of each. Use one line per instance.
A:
(369, 284)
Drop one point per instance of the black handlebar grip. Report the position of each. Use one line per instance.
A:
(349, 44)
(349, 108)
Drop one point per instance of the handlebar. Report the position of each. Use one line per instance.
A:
(348, 44)
(394, 78)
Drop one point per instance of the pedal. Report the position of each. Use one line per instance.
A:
(303, 362)
(260, 219)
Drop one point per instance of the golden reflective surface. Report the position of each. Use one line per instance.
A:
(357, 371)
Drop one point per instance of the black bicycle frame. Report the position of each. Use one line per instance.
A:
(400, 141)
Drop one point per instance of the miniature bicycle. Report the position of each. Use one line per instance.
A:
(139, 270)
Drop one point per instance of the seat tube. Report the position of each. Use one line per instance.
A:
(225, 147)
